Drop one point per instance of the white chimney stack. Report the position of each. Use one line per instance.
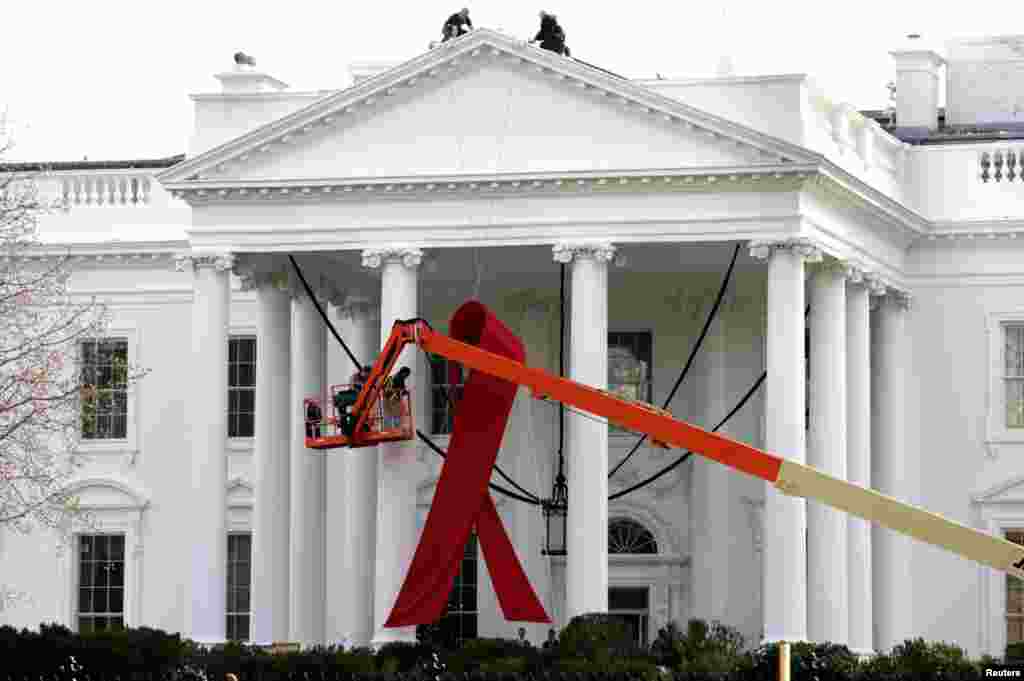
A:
(917, 87)
(245, 79)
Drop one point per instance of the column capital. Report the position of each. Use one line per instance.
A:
(374, 258)
(762, 249)
(222, 262)
(567, 251)
(358, 307)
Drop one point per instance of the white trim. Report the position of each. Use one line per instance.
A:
(997, 435)
(129, 446)
(127, 519)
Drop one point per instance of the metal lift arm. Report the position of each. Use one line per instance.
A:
(789, 477)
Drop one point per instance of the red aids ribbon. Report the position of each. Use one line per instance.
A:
(462, 500)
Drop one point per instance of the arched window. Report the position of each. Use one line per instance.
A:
(629, 536)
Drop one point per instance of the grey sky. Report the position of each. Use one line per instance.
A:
(111, 79)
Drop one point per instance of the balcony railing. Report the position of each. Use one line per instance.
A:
(98, 190)
(1002, 164)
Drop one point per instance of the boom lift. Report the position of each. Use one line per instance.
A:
(367, 425)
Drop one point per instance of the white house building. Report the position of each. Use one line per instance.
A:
(475, 170)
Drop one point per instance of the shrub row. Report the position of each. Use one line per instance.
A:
(591, 648)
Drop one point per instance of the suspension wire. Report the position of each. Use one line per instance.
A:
(750, 393)
(693, 354)
(561, 366)
(327, 321)
(309, 292)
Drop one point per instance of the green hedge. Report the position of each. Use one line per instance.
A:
(592, 647)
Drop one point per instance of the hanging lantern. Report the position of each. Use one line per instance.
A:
(556, 512)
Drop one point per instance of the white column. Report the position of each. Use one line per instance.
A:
(826, 526)
(890, 559)
(784, 579)
(398, 470)
(308, 472)
(712, 500)
(858, 460)
(586, 567)
(207, 431)
(270, 548)
(359, 325)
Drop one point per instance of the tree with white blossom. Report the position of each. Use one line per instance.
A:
(49, 397)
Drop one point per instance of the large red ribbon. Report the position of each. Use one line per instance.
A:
(461, 498)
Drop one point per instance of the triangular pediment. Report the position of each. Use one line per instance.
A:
(484, 104)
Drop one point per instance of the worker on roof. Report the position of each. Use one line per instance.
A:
(456, 25)
(551, 36)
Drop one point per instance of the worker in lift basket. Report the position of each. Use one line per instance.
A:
(344, 400)
(393, 391)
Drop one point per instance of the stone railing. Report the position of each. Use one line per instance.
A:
(94, 189)
(1004, 163)
(853, 140)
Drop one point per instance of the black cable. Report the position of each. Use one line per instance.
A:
(750, 393)
(693, 354)
(561, 359)
(330, 326)
(684, 457)
(497, 488)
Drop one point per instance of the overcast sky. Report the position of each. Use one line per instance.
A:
(111, 79)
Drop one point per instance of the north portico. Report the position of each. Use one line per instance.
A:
(483, 165)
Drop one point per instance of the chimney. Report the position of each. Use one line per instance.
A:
(917, 88)
(245, 79)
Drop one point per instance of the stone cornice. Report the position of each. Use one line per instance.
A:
(722, 178)
(452, 57)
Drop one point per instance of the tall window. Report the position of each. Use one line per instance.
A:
(105, 399)
(241, 386)
(629, 367)
(100, 582)
(631, 604)
(1013, 376)
(239, 585)
(460, 618)
(1014, 598)
(441, 410)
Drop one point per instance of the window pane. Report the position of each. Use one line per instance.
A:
(1014, 403)
(85, 600)
(246, 375)
(100, 600)
(246, 425)
(242, 600)
(116, 601)
(627, 598)
(101, 545)
(246, 401)
(1014, 350)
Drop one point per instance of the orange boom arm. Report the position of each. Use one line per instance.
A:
(789, 477)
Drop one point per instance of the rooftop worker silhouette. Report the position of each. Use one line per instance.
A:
(456, 25)
(551, 36)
